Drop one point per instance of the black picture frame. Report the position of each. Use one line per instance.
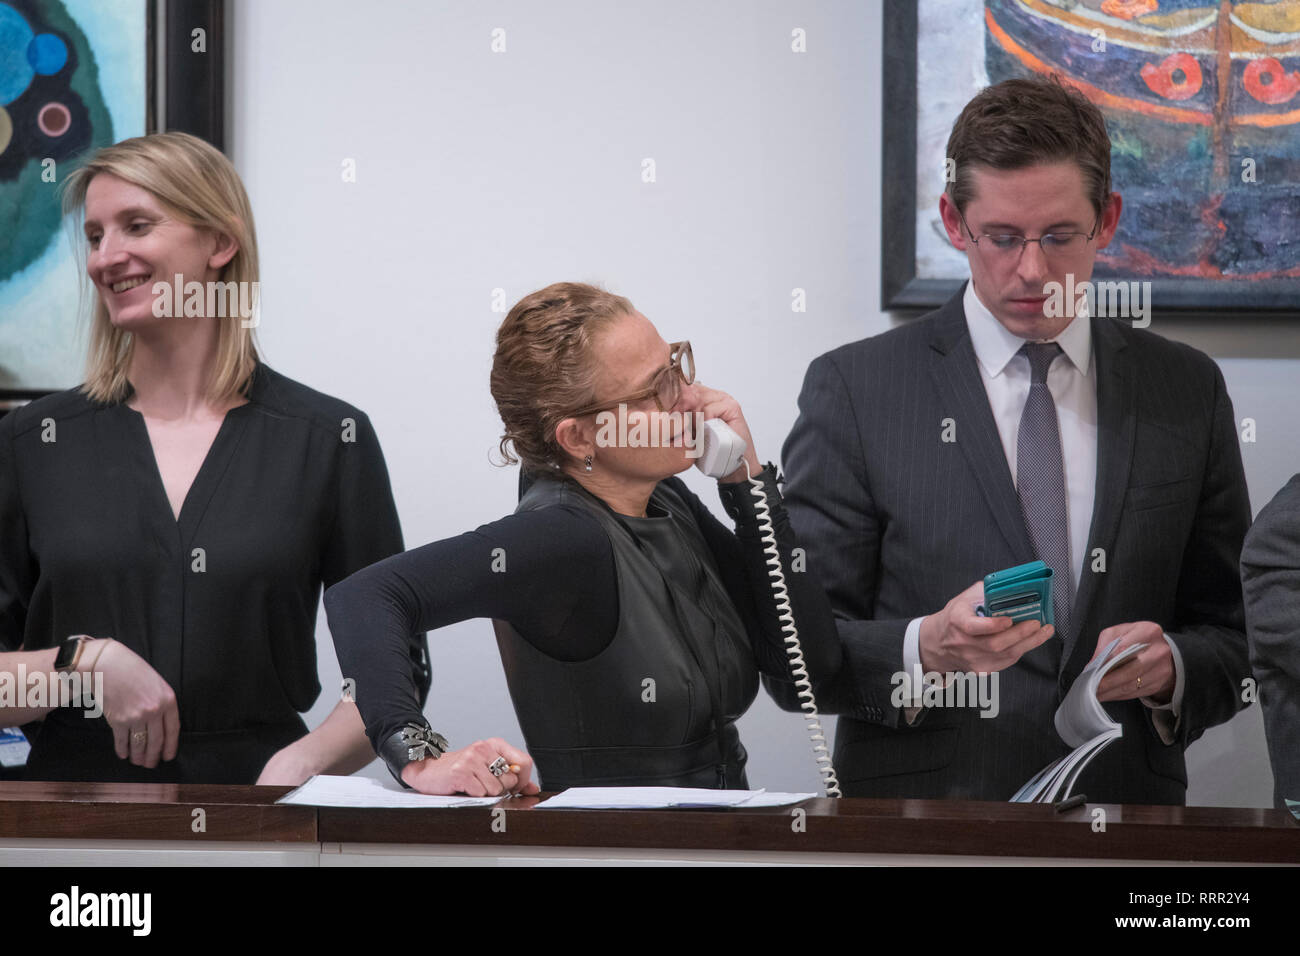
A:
(901, 290)
(194, 83)
(190, 98)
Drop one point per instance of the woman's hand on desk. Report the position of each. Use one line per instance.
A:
(467, 771)
(338, 746)
(289, 766)
(139, 705)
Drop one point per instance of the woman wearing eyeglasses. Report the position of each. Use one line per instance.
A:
(633, 626)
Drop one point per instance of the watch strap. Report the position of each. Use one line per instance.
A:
(70, 652)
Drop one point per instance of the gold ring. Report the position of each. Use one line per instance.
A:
(1139, 683)
(139, 737)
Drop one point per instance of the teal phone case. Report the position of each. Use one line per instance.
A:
(1021, 593)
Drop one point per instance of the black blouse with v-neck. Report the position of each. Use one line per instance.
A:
(293, 494)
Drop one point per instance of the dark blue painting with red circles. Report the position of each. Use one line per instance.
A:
(1202, 103)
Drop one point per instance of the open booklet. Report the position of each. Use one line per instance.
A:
(1083, 725)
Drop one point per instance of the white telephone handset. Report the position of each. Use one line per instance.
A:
(723, 449)
(722, 453)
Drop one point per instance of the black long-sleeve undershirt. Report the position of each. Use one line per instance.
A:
(550, 573)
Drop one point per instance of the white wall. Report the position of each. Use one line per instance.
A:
(478, 170)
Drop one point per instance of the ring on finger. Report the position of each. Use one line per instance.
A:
(498, 767)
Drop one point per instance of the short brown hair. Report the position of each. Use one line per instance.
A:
(543, 369)
(1023, 122)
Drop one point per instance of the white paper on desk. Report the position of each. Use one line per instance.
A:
(324, 790)
(772, 798)
(664, 798)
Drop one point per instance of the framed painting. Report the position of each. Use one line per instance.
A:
(76, 75)
(1202, 103)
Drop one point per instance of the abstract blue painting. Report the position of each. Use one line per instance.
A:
(73, 77)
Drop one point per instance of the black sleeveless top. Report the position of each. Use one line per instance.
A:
(605, 682)
(657, 707)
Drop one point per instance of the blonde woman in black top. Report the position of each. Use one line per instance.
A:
(183, 507)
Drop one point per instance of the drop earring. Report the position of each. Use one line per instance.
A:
(587, 463)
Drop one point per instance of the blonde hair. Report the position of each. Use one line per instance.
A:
(544, 366)
(198, 186)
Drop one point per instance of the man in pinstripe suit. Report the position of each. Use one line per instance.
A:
(1000, 429)
(1270, 578)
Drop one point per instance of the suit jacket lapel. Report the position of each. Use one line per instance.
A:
(957, 378)
(1116, 421)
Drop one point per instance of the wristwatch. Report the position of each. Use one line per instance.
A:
(413, 742)
(70, 652)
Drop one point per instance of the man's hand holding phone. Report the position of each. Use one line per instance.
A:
(957, 640)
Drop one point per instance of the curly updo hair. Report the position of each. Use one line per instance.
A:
(544, 367)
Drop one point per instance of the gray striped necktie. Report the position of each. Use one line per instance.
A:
(1040, 481)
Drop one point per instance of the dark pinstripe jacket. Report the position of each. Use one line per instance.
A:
(897, 521)
(1270, 576)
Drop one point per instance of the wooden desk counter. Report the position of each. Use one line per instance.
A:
(151, 811)
(162, 818)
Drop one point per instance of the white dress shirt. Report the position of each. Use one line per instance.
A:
(1072, 380)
